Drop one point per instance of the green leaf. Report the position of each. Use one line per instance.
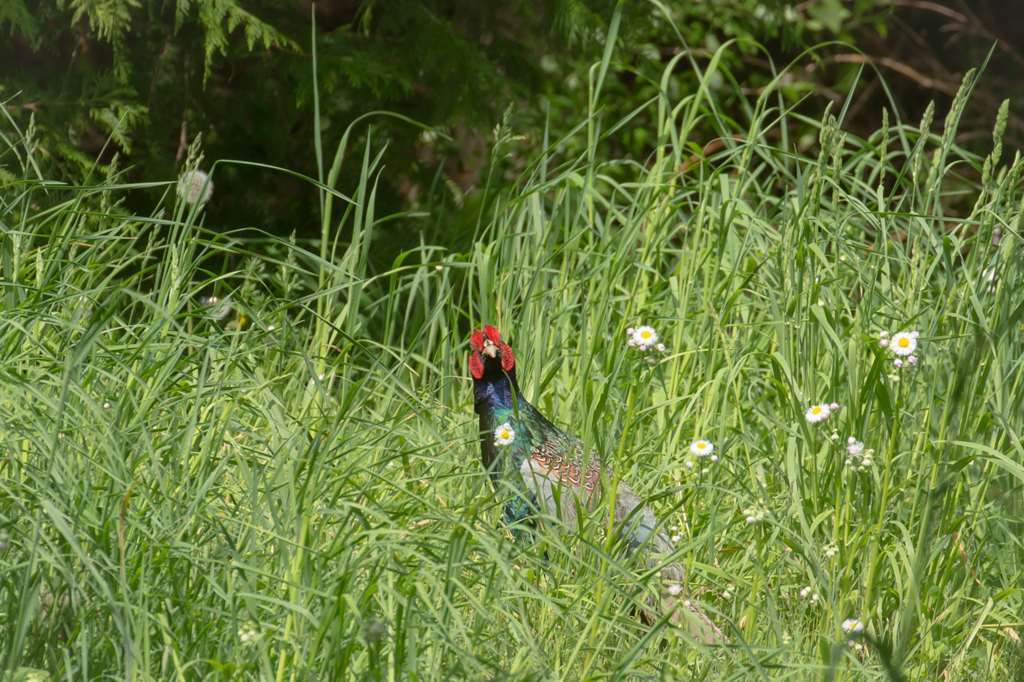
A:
(831, 13)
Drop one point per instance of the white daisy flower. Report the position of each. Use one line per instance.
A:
(903, 343)
(818, 413)
(852, 625)
(701, 448)
(504, 435)
(645, 337)
(854, 447)
(674, 590)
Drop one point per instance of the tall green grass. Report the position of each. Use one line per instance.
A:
(294, 493)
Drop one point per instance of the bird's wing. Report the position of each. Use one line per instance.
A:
(559, 458)
(554, 473)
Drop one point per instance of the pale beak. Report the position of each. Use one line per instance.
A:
(491, 349)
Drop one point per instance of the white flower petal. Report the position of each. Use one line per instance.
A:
(504, 435)
(645, 337)
(701, 448)
(818, 413)
(851, 625)
(903, 343)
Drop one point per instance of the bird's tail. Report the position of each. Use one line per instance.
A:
(674, 597)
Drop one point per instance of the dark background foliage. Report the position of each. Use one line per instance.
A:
(140, 80)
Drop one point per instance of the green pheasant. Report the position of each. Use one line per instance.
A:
(547, 467)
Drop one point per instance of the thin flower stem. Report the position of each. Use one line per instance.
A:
(876, 538)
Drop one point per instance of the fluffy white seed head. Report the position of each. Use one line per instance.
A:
(195, 185)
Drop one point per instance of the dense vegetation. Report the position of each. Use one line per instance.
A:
(228, 454)
(134, 83)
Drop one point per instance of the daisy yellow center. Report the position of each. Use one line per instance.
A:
(504, 433)
(816, 410)
(701, 445)
(904, 342)
(646, 334)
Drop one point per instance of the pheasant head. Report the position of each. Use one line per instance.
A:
(493, 367)
(490, 357)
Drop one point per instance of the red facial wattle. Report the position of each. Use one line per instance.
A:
(476, 368)
(476, 343)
